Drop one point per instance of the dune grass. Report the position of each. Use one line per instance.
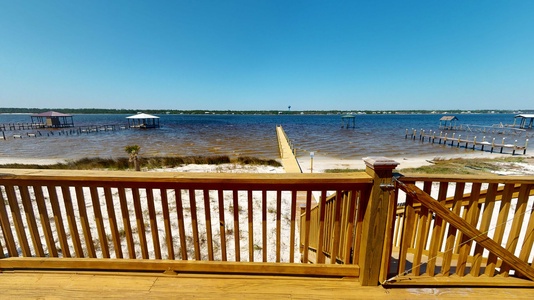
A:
(465, 166)
(97, 163)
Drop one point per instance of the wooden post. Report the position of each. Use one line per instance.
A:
(375, 219)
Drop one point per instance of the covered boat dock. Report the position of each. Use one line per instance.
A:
(143, 121)
(52, 119)
(448, 122)
(523, 118)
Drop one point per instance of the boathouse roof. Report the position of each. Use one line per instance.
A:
(526, 116)
(51, 114)
(142, 116)
(448, 118)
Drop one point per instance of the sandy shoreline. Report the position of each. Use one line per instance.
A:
(320, 163)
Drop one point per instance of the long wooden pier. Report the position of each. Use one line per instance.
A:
(457, 141)
(289, 161)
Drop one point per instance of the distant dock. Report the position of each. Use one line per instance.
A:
(22, 130)
(474, 144)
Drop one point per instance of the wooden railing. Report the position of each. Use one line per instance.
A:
(339, 235)
(228, 223)
(462, 230)
(426, 230)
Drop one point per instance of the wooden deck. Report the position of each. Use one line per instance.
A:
(95, 234)
(90, 285)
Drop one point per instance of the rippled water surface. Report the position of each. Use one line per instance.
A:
(241, 135)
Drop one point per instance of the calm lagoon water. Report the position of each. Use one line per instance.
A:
(244, 135)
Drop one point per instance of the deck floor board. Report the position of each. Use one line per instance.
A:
(63, 285)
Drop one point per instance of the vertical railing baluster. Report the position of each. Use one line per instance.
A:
(407, 232)
(501, 226)
(487, 215)
(222, 224)
(278, 223)
(181, 225)
(194, 223)
(207, 214)
(71, 220)
(320, 239)
(80, 198)
(125, 213)
(350, 226)
(167, 223)
(110, 205)
(153, 222)
(451, 233)
(515, 230)
(338, 203)
(264, 224)
(45, 221)
(30, 219)
(6, 228)
(140, 222)
(58, 219)
(250, 227)
(99, 222)
(526, 247)
(17, 220)
(307, 226)
(437, 231)
(236, 225)
(292, 228)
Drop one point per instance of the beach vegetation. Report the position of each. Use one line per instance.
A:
(122, 163)
(464, 166)
(133, 151)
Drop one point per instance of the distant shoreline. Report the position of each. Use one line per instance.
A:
(22, 111)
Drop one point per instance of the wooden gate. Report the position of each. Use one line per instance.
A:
(461, 231)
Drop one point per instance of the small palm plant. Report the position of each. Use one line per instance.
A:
(133, 151)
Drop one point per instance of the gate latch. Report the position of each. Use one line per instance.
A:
(387, 187)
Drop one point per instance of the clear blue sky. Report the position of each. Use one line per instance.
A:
(266, 55)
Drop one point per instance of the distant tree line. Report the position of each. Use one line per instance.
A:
(9, 110)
